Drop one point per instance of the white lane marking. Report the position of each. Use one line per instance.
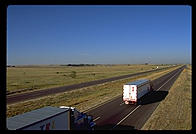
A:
(126, 116)
(96, 118)
(139, 105)
(167, 81)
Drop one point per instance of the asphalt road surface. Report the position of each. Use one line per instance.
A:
(115, 115)
(36, 94)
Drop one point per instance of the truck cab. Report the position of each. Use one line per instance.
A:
(80, 120)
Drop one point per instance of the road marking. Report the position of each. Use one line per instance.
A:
(166, 82)
(140, 105)
(96, 118)
(126, 116)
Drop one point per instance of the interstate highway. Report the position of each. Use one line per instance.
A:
(115, 115)
(15, 98)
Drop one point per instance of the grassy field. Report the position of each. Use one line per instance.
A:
(175, 112)
(83, 98)
(28, 78)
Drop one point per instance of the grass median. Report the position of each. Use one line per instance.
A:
(83, 98)
(175, 112)
(31, 78)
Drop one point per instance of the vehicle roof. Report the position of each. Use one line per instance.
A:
(22, 120)
(138, 82)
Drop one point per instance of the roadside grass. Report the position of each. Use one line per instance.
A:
(83, 98)
(25, 78)
(175, 111)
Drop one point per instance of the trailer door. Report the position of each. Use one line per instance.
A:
(126, 92)
(133, 95)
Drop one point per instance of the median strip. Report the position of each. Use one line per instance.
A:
(83, 99)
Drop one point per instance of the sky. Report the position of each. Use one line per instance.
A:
(99, 34)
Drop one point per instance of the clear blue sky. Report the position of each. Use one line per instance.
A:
(99, 34)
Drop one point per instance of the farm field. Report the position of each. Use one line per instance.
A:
(28, 78)
(175, 112)
(83, 98)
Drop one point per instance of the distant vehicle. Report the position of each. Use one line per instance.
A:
(133, 91)
(51, 118)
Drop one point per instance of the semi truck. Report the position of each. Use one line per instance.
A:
(51, 118)
(133, 91)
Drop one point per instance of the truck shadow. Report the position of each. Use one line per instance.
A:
(152, 97)
(110, 126)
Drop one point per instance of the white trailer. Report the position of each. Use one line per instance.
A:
(133, 91)
(51, 118)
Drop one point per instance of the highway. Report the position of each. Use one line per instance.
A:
(15, 98)
(115, 115)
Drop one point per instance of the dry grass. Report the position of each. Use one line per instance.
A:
(28, 78)
(175, 112)
(82, 99)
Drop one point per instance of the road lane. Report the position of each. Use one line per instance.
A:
(116, 115)
(149, 105)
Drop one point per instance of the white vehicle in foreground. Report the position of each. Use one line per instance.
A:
(133, 91)
(51, 118)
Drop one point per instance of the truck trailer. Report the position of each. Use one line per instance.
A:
(133, 91)
(51, 118)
